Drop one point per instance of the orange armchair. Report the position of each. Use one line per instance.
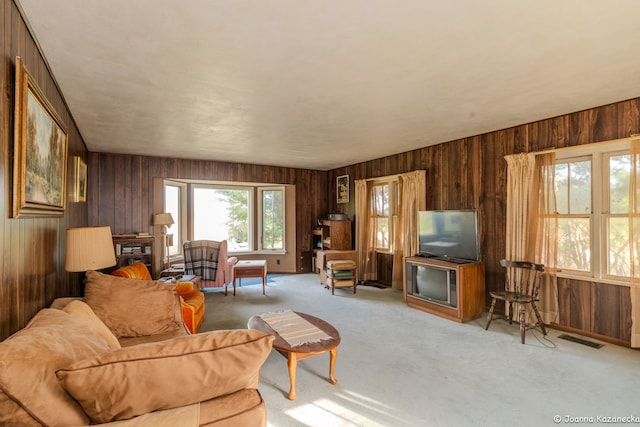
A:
(192, 299)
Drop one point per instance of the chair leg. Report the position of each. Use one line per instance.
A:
(540, 322)
(510, 317)
(490, 316)
(523, 327)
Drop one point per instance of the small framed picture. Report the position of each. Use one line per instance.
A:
(80, 180)
(342, 189)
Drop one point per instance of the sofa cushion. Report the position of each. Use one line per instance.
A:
(28, 361)
(81, 311)
(131, 307)
(135, 380)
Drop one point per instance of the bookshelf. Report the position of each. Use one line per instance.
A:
(130, 249)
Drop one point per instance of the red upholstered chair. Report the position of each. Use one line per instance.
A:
(192, 299)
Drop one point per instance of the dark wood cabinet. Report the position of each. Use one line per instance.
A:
(336, 235)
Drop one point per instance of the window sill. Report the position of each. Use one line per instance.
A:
(594, 279)
(262, 252)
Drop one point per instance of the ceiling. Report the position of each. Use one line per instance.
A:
(321, 84)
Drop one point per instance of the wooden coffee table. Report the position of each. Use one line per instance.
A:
(254, 268)
(299, 352)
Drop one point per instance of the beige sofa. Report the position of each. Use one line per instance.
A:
(123, 353)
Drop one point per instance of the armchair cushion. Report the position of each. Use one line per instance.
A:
(123, 383)
(137, 270)
(111, 297)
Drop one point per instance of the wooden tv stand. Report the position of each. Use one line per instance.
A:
(470, 290)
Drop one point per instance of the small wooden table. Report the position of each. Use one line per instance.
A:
(303, 351)
(254, 268)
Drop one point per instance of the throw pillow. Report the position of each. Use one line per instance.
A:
(131, 307)
(136, 380)
(29, 359)
(81, 311)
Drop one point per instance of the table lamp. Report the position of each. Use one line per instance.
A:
(89, 248)
(165, 220)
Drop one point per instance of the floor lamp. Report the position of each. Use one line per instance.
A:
(165, 220)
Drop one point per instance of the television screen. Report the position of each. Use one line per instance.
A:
(450, 234)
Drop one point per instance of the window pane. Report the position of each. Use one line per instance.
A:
(382, 235)
(222, 214)
(619, 167)
(172, 206)
(562, 188)
(618, 246)
(574, 244)
(272, 219)
(580, 187)
(380, 206)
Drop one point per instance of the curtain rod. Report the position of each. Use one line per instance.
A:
(601, 143)
(388, 177)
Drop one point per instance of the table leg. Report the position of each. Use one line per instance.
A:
(333, 355)
(234, 286)
(292, 362)
(263, 284)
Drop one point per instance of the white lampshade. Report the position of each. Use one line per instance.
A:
(164, 218)
(89, 248)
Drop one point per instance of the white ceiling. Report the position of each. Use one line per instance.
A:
(321, 84)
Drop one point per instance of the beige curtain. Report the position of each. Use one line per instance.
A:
(543, 241)
(365, 236)
(531, 233)
(634, 240)
(520, 169)
(413, 198)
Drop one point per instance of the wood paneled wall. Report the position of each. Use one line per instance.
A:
(120, 191)
(471, 173)
(32, 255)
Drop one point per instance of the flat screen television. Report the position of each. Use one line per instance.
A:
(449, 234)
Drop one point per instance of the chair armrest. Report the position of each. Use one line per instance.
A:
(231, 261)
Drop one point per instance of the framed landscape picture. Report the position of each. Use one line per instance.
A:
(40, 152)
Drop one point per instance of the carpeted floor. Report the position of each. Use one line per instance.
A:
(401, 367)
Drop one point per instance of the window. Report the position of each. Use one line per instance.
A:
(272, 218)
(249, 217)
(573, 201)
(174, 203)
(384, 209)
(592, 196)
(223, 214)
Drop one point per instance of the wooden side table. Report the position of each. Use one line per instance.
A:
(196, 280)
(246, 269)
(303, 351)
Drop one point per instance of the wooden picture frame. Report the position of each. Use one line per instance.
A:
(342, 189)
(40, 152)
(79, 193)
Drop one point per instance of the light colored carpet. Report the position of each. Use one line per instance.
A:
(402, 367)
